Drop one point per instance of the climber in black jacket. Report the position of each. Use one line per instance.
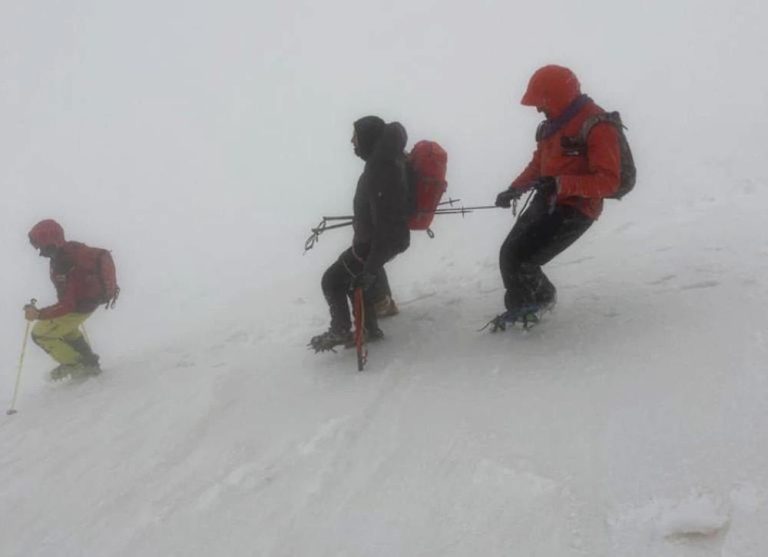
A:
(381, 207)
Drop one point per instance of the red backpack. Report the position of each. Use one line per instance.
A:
(96, 276)
(427, 165)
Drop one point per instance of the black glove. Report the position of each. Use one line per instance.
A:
(504, 199)
(546, 186)
(362, 280)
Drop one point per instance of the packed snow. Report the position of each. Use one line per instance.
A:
(200, 143)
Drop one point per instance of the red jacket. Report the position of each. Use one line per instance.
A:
(584, 179)
(68, 280)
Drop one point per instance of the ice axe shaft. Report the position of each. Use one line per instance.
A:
(359, 334)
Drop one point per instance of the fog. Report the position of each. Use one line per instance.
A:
(200, 141)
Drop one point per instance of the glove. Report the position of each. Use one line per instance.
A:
(362, 280)
(504, 199)
(546, 186)
(31, 313)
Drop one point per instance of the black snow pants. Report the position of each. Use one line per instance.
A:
(537, 237)
(336, 283)
(380, 288)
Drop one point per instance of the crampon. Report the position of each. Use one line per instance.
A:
(329, 340)
(74, 371)
(528, 317)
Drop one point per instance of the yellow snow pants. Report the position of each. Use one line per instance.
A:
(61, 336)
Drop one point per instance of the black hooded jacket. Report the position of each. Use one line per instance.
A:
(381, 203)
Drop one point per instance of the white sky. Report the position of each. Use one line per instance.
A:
(200, 140)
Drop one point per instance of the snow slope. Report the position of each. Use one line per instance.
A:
(631, 422)
(200, 142)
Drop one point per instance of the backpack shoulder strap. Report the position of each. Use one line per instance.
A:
(613, 118)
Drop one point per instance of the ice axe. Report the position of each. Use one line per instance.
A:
(12, 409)
(359, 335)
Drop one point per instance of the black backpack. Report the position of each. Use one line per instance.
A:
(628, 170)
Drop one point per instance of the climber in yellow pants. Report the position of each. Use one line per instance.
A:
(62, 339)
(75, 270)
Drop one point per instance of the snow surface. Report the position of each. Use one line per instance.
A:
(200, 145)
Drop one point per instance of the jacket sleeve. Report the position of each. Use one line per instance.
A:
(386, 196)
(604, 173)
(531, 173)
(65, 305)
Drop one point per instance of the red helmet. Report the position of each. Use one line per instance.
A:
(46, 233)
(552, 88)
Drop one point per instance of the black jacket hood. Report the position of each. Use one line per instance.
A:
(391, 143)
(368, 131)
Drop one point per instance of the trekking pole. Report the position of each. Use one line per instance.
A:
(320, 228)
(340, 225)
(323, 226)
(463, 210)
(460, 209)
(450, 202)
(12, 409)
(359, 311)
(452, 212)
(480, 207)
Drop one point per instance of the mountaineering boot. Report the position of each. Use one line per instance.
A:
(372, 335)
(329, 340)
(386, 307)
(85, 370)
(62, 371)
(87, 357)
(369, 335)
(528, 315)
(74, 371)
(547, 304)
